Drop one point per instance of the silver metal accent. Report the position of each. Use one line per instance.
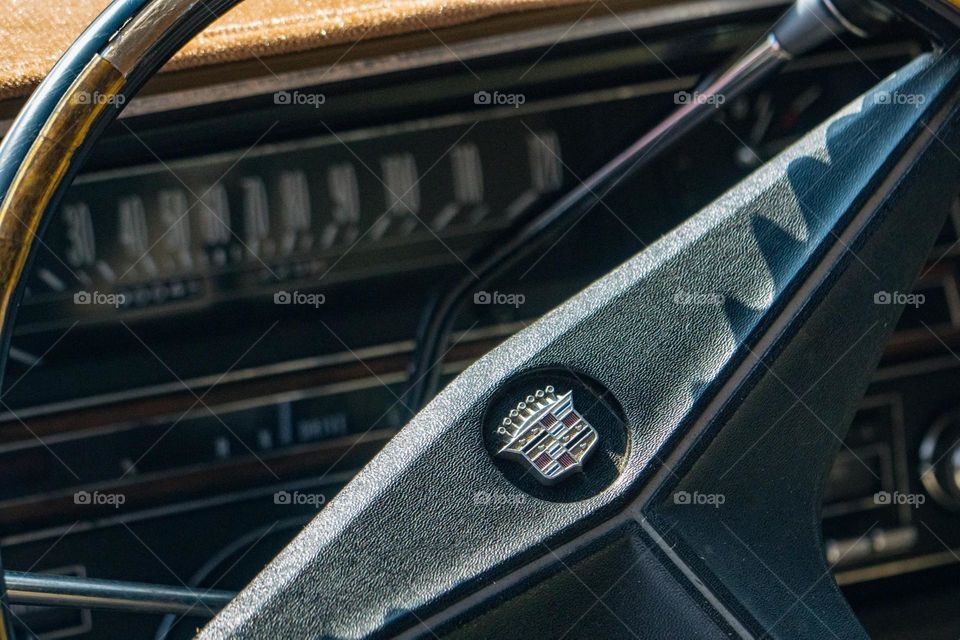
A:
(90, 593)
(546, 432)
(137, 37)
(939, 464)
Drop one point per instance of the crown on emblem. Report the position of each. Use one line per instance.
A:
(530, 405)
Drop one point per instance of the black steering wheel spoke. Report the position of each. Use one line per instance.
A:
(733, 352)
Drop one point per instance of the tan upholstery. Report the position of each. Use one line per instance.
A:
(35, 32)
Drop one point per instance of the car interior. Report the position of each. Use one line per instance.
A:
(563, 319)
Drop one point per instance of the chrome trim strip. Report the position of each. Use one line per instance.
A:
(100, 430)
(897, 567)
(208, 468)
(177, 508)
(534, 38)
(917, 367)
(290, 366)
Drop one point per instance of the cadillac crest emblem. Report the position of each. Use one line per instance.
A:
(548, 433)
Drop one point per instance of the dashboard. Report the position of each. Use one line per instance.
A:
(216, 331)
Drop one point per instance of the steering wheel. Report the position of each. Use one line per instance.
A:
(644, 461)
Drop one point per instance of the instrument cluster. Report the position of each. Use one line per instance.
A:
(239, 223)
